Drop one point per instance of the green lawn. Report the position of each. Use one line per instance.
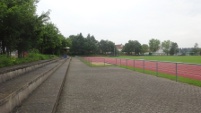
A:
(184, 59)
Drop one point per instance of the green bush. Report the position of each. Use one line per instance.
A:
(34, 51)
(34, 56)
(6, 61)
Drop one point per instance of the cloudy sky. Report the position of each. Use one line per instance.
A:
(123, 20)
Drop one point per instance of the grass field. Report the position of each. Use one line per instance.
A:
(183, 59)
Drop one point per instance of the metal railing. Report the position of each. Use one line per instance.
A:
(192, 71)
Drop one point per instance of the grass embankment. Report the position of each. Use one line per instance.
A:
(9, 61)
(183, 59)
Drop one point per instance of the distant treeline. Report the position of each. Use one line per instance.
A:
(80, 45)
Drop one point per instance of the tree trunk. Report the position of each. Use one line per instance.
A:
(3, 48)
(20, 54)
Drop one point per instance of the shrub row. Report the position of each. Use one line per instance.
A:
(9, 61)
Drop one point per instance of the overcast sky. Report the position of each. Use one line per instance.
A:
(123, 20)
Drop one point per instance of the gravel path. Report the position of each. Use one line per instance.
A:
(117, 90)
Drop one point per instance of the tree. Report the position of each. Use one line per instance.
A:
(63, 43)
(82, 46)
(18, 22)
(21, 29)
(2, 16)
(11, 25)
(196, 49)
(51, 39)
(132, 47)
(154, 45)
(107, 46)
(91, 45)
(145, 48)
(103, 46)
(128, 48)
(40, 22)
(174, 48)
(66, 42)
(78, 47)
(166, 46)
(27, 31)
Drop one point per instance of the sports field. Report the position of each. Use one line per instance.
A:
(179, 68)
(183, 59)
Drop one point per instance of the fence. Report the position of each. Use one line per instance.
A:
(192, 71)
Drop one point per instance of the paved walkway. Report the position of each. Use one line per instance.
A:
(117, 90)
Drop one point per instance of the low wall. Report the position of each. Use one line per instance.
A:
(12, 73)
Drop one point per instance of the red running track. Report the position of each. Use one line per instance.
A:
(192, 71)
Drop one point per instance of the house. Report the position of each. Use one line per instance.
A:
(119, 47)
(185, 51)
(159, 52)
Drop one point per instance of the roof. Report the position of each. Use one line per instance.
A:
(119, 46)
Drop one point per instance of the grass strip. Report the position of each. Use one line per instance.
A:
(9, 61)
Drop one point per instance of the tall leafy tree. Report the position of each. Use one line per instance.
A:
(40, 21)
(196, 49)
(78, 42)
(145, 48)
(132, 47)
(91, 45)
(21, 29)
(10, 22)
(3, 9)
(127, 48)
(50, 39)
(107, 46)
(166, 45)
(103, 46)
(66, 42)
(154, 45)
(111, 47)
(17, 23)
(174, 48)
(27, 25)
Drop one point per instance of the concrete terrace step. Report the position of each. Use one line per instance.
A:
(15, 67)
(11, 72)
(44, 99)
(14, 91)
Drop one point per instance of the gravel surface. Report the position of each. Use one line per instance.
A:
(117, 90)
